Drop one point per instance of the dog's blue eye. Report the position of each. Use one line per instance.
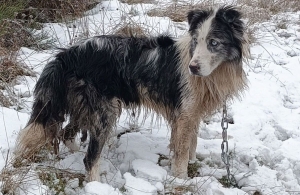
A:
(214, 42)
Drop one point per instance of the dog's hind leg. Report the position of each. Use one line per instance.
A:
(102, 124)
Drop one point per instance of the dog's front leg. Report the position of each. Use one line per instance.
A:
(193, 144)
(181, 142)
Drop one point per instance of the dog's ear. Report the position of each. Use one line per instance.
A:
(229, 14)
(196, 17)
(190, 16)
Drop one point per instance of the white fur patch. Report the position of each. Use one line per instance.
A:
(152, 57)
(97, 43)
(201, 53)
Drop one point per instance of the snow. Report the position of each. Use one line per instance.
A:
(264, 140)
(11, 123)
(138, 186)
(30, 184)
(97, 188)
(146, 169)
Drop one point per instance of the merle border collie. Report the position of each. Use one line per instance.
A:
(182, 80)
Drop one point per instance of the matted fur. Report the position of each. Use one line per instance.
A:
(91, 82)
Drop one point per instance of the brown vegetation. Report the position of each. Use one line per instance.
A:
(130, 30)
(255, 11)
(130, 2)
(49, 11)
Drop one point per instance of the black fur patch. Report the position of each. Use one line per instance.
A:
(197, 17)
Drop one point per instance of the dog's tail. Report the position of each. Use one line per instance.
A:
(49, 108)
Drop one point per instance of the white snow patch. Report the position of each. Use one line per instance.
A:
(138, 186)
(97, 188)
(148, 170)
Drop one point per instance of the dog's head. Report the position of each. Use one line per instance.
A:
(216, 37)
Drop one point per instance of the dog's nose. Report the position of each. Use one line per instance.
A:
(194, 68)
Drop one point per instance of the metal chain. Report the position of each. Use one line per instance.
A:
(224, 146)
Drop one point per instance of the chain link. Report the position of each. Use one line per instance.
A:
(224, 146)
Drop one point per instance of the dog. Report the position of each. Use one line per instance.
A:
(183, 80)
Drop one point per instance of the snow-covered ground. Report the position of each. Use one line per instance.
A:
(264, 141)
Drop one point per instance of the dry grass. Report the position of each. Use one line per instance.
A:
(130, 2)
(177, 12)
(272, 6)
(130, 30)
(56, 10)
(253, 11)
(260, 11)
(12, 179)
(12, 32)
(16, 33)
(4, 100)
(18, 173)
(20, 19)
(10, 69)
(57, 179)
